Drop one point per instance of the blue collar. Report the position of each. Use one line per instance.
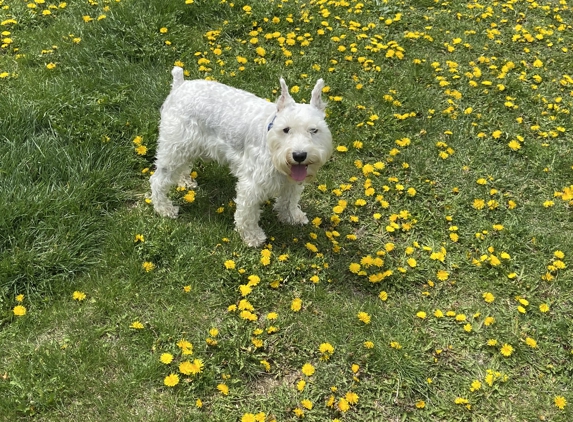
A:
(271, 123)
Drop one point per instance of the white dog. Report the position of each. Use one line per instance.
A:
(272, 149)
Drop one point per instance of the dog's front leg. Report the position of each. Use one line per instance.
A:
(287, 206)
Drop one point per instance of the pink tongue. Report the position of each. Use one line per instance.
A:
(298, 172)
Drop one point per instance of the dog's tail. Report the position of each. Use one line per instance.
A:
(178, 79)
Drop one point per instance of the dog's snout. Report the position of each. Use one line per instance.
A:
(299, 156)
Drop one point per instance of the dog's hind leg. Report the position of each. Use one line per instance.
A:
(173, 164)
(185, 180)
(247, 215)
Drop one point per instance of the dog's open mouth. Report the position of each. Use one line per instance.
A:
(298, 172)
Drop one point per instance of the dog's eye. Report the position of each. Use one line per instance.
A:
(313, 130)
(286, 130)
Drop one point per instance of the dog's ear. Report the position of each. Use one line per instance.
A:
(285, 100)
(316, 96)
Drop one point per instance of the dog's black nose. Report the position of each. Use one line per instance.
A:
(299, 157)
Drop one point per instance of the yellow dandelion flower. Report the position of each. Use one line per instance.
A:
(326, 348)
(79, 296)
(255, 279)
(148, 266)
(245, 289)
(308, 369)
(364, 317)
(351, 397)
(248, 417)
(548, 204)
(354, 268)
(246, 305)
(248, 315)
(560, 402)
(311, 247)
(299, 412)
(506, 350)
(514, 145)
(189, 196)
(442, 275)
(19, 310)
(296, 304)
(478, 204)
(166, 358)
(184, 344)
(171, 380)
(224, 389)
(488, 297)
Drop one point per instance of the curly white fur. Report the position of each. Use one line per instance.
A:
(272, 149)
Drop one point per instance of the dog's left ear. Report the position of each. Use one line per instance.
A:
(285, 100)
(316, 96)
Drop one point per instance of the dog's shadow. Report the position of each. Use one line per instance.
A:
(214, 204)
(215, 190)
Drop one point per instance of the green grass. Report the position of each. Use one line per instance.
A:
(459, 81)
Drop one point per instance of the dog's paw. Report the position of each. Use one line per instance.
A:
(298, 217)
(187, 182)
(170, 211)
(253, 238)
(295, 217)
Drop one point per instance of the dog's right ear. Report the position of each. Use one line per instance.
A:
(285, 100)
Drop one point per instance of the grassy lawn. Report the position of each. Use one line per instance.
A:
(433, 283)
